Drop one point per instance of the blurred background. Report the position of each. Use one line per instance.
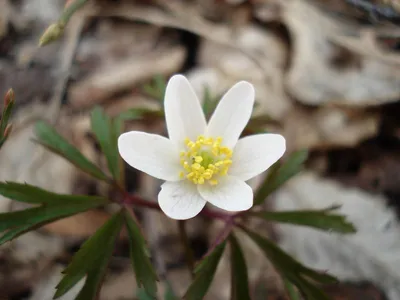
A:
(327, 77)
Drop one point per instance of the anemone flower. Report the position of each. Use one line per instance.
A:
(203, 162)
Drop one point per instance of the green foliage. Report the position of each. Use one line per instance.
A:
(319, 219)
(168, 294)
(107, 131)
(257, 124)
(91, 260)
(140, 113)
(279, 174)
(52, 207)
(156, 89)
(239, 276)
(144, 272)
(297, 274)
(291, 290)
(27, 193)
(209, 102)
(205, 272)
(49, 138)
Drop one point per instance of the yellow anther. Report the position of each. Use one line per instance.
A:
(196, 166)
(208, 141)
(204, 160)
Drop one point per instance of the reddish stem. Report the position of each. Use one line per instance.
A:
(229, 219)
(223, 234)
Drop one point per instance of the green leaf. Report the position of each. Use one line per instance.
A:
(319, 219)
(32, 194)
(144, 272)
(291, 290)
(14, 233)
(142, 295)
(157, 88)
(279, 174)
(294, 271)
(209, 102)
(91, 260)
(205, 272)
(139, 113)
(239, 277)
(107, 131)
(47, 213)
(169, 293)
(49, 138)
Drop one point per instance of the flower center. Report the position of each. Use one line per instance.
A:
(204, 160)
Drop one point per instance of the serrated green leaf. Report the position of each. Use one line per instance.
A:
(239, 277)
(142, 267)
(24, 192)
(47, 213)
(168, 294)
(204, 274)
(48, 137)
(14, 233)
(106, 134)
(318, 219)
(91, 260)
(294, 271)
(279, 174)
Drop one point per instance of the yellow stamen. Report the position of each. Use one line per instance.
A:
(204, 160)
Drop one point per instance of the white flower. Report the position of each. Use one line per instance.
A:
(203, 162)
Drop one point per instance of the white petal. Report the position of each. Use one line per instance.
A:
(183, 113)
(232, 113)
(180, 200)
(254, 154)
(231, 194)
(150, 153)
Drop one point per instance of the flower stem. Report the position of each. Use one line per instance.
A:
(186, 246)
(223, 234)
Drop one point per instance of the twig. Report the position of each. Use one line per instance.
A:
(186, 246)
